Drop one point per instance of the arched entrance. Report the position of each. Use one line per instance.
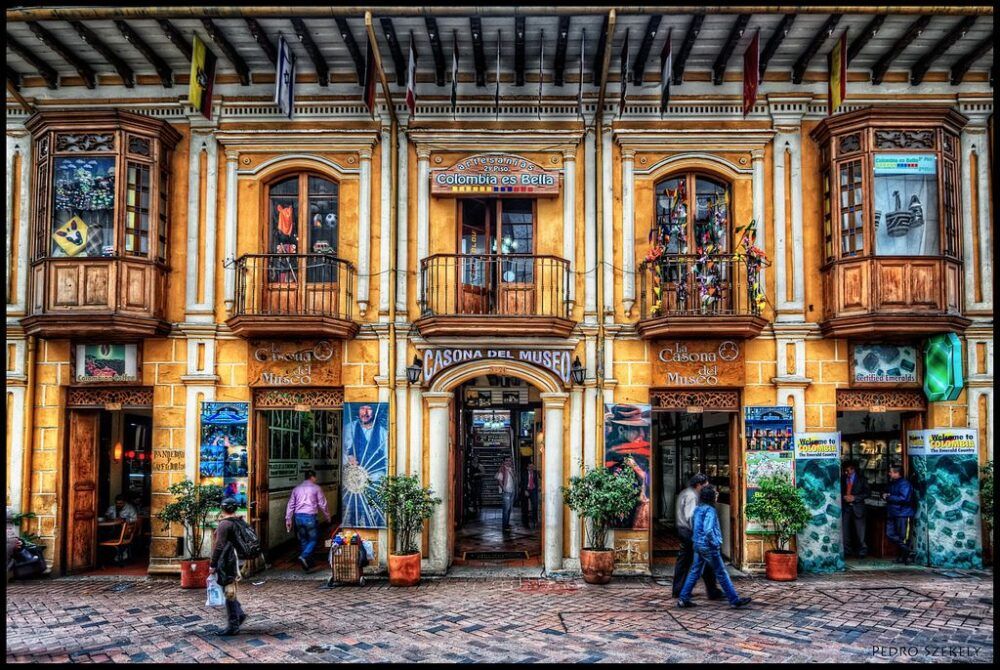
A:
(441, 406)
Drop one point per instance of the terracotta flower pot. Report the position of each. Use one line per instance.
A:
(781, 566)
(194, 574)
(404, 570)
(597, 565)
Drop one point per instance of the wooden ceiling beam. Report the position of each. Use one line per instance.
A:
(398, 62)
(120, 66)
(519, 26)
(46, 71)
(479, 56)
(260, 36)
(352, 48)
(227, 48)
(175, 37)
(436, 50)
(921, 67)
(689, 38)
(735, 33)
(602, 47)
(639, 64)
(775, 41)
(315, 55)
(961, 67)
(162, 69)
(562, 42)
(867, 33)
(14, 78)
(67, 54)
(824, 32)
(882, 66)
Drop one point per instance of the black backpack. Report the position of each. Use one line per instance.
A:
(245, 540)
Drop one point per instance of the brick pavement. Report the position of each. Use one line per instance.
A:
(921, 616)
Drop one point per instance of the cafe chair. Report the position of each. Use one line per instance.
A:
(123, 542)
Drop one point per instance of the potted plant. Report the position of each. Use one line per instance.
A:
(406, 505)
(191, 508)
(600, 496)
(778, 506)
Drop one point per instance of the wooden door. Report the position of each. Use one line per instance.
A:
(81, 526)
(474, 266)
(735, 491)
(911, 421)
(258, 502)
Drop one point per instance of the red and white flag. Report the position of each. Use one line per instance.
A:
(411, 79)
(369, 80)
(666, 73)
(751, 73)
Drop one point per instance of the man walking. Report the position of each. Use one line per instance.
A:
(900, 511)
(531, 494)
(854, 490)
(306, 501)
(225, 565)
(687, 501)
(505, 478)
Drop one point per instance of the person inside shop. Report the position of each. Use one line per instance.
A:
(476, 474)
(706, 535)
(304, 505)
(505, 480)
(687, 501)
(122, 509)
(530, 509)
(900, 510)
(853, 490)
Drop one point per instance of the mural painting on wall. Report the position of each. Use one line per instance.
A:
(945, 472)
(224, 458)
(817, 476)
(769, 443)
(627, 446)
(365, 462)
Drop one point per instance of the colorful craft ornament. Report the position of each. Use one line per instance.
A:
(71, 236)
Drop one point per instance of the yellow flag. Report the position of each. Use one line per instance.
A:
(838, 73)
(202, 78)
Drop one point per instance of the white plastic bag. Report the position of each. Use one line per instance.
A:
(216, 596)
(369, 549)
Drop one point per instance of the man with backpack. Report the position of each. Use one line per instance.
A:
(900, 510)
(233, 541)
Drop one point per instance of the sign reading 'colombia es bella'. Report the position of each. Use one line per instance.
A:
(496, 174)
(689, 363)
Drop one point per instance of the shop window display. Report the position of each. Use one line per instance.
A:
(906, 205)
(83, 207)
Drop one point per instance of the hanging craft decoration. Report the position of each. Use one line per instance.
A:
(756, 260)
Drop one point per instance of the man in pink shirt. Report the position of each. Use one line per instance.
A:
(307, 499)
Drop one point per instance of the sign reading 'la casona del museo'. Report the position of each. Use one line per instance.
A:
(496, 174)
(556, 361)
(294, 363)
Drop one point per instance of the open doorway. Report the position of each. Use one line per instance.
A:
(500, 421)
(110, 483)
(683, 446)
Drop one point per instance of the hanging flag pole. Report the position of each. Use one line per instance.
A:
(454, 72)
(837, 67)
(541, 62)
(376, 58)
(411, 79)
(751, 73)
(202, 79)
(666, 73)
(579, 86)
(496, 96)
(284, 80)
(624, 74)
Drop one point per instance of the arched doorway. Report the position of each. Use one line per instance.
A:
(441, 412)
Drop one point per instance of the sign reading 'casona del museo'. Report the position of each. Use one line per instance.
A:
(496, 174)
(298, 363)
(556, 361)
(700, 363)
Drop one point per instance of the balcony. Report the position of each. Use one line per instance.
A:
(872, 297)
(290, 296)
(494, 295)
(689, 296)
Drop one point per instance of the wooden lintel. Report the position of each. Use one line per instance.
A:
(436, 50)
(46, 71)
(639, 64)
(175, 37)
(120, 66)
(898, 47)
(352, 48)
(775, 41)
(228, 50)
(519, 26)
(921, 67)
(162, 69)
(562, 41)
(867, 33)
(322, 69)
(479, 56)
(719, 67)
(689, 38)
(602, 47)
(399, 63)
(260, 36)
(67, 54)
(824, 32)
(961, 67)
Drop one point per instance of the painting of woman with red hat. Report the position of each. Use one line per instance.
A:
(626, 446)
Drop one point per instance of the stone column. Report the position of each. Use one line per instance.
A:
(423, 213)
(590, 227)
(778, 214)
(607, 226)
(974, 142)
(439, 416)
(628, 230)
(232, 215)
(576, 429)
(402, 221)
(364, 229)
(569, 218)
(788, 138)
(385, 211)
(416, 433)
(18, 144)
(200, 308)
(757, 157)
(554, 404)
(16, 389)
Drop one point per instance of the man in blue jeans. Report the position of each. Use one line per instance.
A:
(306, 501)
(900, 510)
(707, 539)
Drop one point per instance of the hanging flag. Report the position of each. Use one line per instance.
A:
(202, 79)
(751, 73)
(369, 82)
(284, 79)
(496, 96)
(579, 89)
(411, 79)
(837, 67)
(624, 75)
(666, 73)
(454, 72)
(541, 61)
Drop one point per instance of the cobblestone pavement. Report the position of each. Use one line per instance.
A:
(877, 616)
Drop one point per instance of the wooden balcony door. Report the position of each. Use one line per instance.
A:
(499, 278)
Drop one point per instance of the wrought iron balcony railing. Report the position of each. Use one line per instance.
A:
(691, 285)
(294, 285)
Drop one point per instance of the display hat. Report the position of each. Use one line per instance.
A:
(626, 415)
